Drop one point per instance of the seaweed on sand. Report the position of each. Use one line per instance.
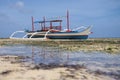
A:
(115, 75)
(5, 72)
(53, 65)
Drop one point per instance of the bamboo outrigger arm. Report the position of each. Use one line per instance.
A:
(25, 36)
(11, 36)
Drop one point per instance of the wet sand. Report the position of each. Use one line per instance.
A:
(12, 69)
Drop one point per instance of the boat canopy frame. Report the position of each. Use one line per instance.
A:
(46, 28)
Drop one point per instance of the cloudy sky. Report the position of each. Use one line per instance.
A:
(103, 15)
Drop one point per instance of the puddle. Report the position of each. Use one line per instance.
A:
(46, 55)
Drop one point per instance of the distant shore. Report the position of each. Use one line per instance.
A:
(110, 45)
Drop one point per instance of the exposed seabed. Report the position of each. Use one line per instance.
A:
(110, 45)
(15, 67)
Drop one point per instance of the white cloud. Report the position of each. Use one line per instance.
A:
(19, 5)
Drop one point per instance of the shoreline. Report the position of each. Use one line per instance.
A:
(28, 71)
(109, 45)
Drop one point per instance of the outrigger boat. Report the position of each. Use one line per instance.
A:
(54, 32)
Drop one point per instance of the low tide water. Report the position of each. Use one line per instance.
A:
(42, 54)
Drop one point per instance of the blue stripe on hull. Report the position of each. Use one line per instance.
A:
(69, 37)
(63, 37)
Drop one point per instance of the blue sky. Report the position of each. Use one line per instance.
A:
(104, 15)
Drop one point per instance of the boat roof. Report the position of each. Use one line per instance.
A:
(48, 21)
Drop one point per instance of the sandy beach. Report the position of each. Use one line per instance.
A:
(12, 69)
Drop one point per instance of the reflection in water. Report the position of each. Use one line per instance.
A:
(46, 55)
(100, 62)
(33, 54)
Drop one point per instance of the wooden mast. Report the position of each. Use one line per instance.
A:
(68, 29)
(44, 23)
(32, 23)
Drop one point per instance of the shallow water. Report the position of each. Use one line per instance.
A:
(41, 54)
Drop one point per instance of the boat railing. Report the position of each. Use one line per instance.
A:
(12, 35)
(79, 28)
(31, 37)
(25, 36)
